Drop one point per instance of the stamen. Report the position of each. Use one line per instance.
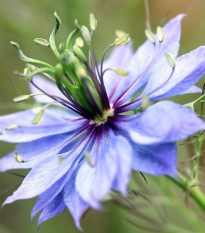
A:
(12, 127)
(128, 106)
(160, 34)
(139, 76)
(18, 158)
(88, 158)
(86, 34)
(79, 133)
(22, 98)
(41, 41)
(93, 22)
(38, 117)
(120, 41)
(150, 36)
(170, 59)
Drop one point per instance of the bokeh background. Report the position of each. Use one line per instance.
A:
(24, 20)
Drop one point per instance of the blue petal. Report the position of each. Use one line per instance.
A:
(189, 69)
(53, 122)
(48, 86)
(172, 33)
(55, 207)
(118, 59)
(94, 182)
(76, 205)
(48, 171)
(48, 196)
(193, 89)
(31, 151)
(163, 122)
(158, 159)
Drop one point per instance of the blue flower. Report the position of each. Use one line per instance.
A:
(101, 129)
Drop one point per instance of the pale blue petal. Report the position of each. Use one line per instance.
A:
(48, 86)
(32, 151)
(55, 207)
(48, 196)
(158, 159)
(191, 90)
(140, 60)
(189, 69)
(53, 122)
(118, 59)
(94, 182)
(76, 205)
(163, 122)
(48, 171)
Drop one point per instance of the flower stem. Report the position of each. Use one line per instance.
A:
(195, 192)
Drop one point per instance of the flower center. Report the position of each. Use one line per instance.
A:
(77, 76)
(103, 119)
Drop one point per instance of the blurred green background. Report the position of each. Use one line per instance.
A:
(24, 20)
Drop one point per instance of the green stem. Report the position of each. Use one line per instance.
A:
(195, 192)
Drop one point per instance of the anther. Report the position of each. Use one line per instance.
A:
(12, 127)
(38, 118)
(160, 34)
(171, 60)
(41, 41)
(149, 34)
(122, 40)
(86, 34)
(93, 22)
(88, 158)
(18, 158)
(145, 102)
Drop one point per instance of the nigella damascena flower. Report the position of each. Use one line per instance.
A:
(101, 128)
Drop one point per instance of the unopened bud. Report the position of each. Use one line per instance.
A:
(170, 59)
(160, 34)
(149, 34)
(122, 40)
(93, 22)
